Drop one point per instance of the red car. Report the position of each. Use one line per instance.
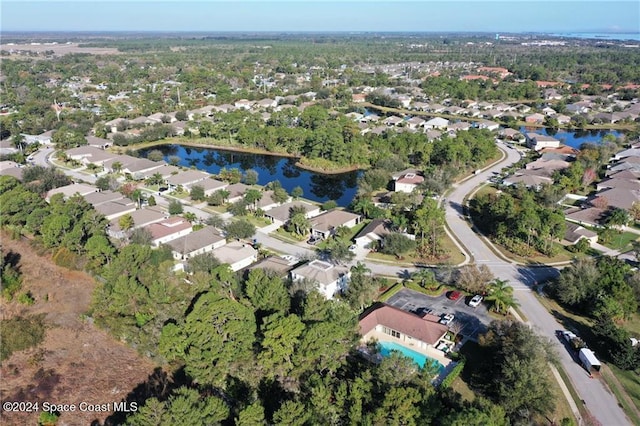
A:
(455, 295)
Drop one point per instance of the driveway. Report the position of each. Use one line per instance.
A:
(474, 320)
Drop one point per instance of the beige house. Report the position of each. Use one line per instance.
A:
(236, 254)
(329, 278)
(198, 242)
(324, 225)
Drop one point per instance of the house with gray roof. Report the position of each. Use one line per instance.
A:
(202, 241)
(329, 278)
(113, 209)
(373, 232)
(70, 190)
(324, 225)
(280, 215)
(186, 178)
(236, 254)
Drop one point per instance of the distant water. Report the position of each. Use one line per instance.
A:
(574, 138)
(601, 36)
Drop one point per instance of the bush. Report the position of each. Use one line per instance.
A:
(447, 381)
(20, 333)
(26, 299)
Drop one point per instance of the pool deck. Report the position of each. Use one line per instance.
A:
(429, 352)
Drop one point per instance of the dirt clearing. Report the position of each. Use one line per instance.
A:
(77, 363)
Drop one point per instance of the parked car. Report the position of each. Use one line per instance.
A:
(454, 295)
(313, 241)
(446, 319)
(475, 301)
(353, 247)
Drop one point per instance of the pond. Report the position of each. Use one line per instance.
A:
(573, 138)
(316, 186)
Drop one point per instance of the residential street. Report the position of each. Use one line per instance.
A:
(598, 399)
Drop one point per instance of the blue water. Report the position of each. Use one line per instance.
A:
(601, 36)
(317, 187)
(387, 347)
(575, 138)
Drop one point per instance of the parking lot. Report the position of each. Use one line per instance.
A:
(475, 320)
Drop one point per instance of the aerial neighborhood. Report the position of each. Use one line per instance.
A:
(419, 231)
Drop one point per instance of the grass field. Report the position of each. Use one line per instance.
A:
(622, 241)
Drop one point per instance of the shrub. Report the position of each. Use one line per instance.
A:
(447, 381)
(20, 333)
(26, 299)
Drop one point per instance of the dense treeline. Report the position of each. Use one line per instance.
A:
(520, 220)
(607, 291)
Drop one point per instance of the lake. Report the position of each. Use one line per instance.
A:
(573, 138)
(316, 186)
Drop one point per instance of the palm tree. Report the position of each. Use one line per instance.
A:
(191, 217)
(300, 223)
(116, 166)
(501, 294)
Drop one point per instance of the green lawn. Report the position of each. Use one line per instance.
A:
(288, 237)
(454, 256)
(621, 241)
(629, 395)
(258, 222)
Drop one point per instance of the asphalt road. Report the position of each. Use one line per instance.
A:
(596, 396)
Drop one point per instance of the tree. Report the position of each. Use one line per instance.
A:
(239, 208)
(250, 177)
(204, 262)
(337, 251)
(266, 291)
(362, 289)
(190, 216)
(175, 207)
(155, 155)
(618, 217)
(501, 294)
(215, 341)
(429, 222)
(397, 244)
(216, 221)
(299, 224)
(280, 338)
(291, 413)
(329, 205)
(474, 279)
(251, 415)
(116, 166)
(240, 229)
(174, 160)
(141, 236)
(635, 211)
(197, 193)
(297, 192)
(151, 201)
(155, 179)
(280, 195)
(126, 222)
(512, 376)
(252, 196)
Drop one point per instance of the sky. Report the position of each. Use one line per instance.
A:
(322, 15)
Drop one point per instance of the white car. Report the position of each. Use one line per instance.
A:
(446, 319)
(475, 301)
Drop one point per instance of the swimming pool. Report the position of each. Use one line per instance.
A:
(387, 347)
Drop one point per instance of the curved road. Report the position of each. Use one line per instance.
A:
(598, 399)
